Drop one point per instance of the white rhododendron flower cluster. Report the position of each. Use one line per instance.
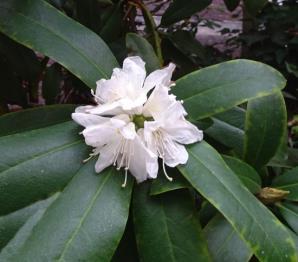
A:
(136, 121)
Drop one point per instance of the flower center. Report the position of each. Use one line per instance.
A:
(139, 120)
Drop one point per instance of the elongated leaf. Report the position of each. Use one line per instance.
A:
(248, 176)
(228, 129)
(167, 228)
(38, 162)
(38, 25)
(255, 224)
(34, 118)
(138, 45)
(88, 219)
(264, 129)
(11, 223)
(220, 87)
(162, 185)
(290, 213)
(180, 9)
(19, 239)
(224, 243)
(288, 181)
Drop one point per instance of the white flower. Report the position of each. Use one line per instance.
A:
(138, 129)
(126, 91)
(117, 143)
(166, 135)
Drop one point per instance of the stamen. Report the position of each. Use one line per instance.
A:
(125, 179)
(87, 159)
(100, 100)
(165, 171)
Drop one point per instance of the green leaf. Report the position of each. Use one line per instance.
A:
(162, 185)
(224, 243)
(138, 45)
(36, 163)
(289, 182)
(248, 176)
(88, 219)
(186, 42)
(264, 129)
(217, 88)
(72, 45)
(113, 23)
(255, 224)
(232, 4)
(10, 224)
(289, 211)
(227, 129)
(35, 118)
(19, 239)
(180, 9)
(167, 228)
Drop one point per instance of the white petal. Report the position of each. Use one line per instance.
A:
(158, 102)
(128, 131)
(88, 119)
(159, 77)
(113, 108)
(106, 156)
(184, 132)
(139, 160)
(98, 136)
(175, 154)
(83, 109)
(152, 157)
(134, 67)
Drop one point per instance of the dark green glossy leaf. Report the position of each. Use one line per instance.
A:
(264, 129)
(88, 219)
(36, 118)
(186, 42)
(227, 129)
(11, 223)
(180, 9)
(113, 23)
(289, 182)
(72, 45)
(261, 230)
(224, 243)
(138, 45)
(289, 212)
(220, 87)
(231, 4)
(167, 228)
(36, 163)
(19, 239)
(162, 185)
(248, 176)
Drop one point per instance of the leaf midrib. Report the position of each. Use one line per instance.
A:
(40, 155)
(58, 36)
(86, 213)
(211, 89)
(171, 250)
(247, 211)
